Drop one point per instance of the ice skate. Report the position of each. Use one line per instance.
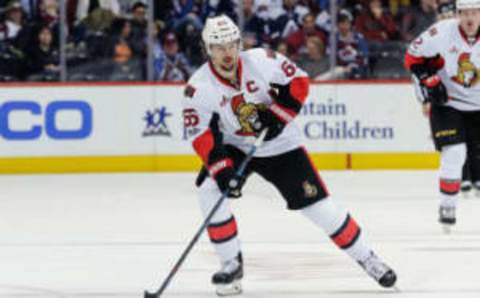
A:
(476, 186)
(466, 188)
(447, 218)
(228, 279)
(379, 271)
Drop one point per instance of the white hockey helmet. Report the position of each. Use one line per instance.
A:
(467, 4)
(219, 30)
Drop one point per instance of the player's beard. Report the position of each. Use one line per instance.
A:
(227, 68)
(228, 64)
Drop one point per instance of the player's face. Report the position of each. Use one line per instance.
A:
(225, 56)
(470, 20)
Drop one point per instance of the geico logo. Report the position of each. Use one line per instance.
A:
(27, 120)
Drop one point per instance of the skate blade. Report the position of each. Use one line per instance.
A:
(232, 289)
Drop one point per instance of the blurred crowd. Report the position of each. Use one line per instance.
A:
(107, 40)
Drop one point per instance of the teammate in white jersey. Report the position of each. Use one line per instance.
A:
(445, 63)
(228, 102)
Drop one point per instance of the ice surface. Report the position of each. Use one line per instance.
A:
(114, 235)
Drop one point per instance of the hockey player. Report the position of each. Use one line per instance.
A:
(471, 168)
(229, 101)
(445, 63)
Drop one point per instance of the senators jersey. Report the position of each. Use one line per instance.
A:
(457, 60)
(207, 93)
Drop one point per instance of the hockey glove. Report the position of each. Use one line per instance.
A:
(433, 90)
(283, 109)
(220, 165)
(267, 120)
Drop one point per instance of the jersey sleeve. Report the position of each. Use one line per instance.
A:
(292, 84)
(283, 69)
(196, 118)
(425, 49)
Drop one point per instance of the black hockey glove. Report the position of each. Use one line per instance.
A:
(220, 165)
(433, 90)
(267, 120)
(283, 109)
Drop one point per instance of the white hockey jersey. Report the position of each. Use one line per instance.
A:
(461, 71)
(207, 93)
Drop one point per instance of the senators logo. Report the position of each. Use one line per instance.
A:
(467, 75)
(246, 114)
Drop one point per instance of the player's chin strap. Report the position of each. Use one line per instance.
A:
(238, 174)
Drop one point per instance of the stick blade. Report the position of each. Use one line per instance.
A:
(146, 294)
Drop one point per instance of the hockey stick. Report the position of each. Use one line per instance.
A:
(258, 142)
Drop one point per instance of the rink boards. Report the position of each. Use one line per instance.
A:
(139, 127)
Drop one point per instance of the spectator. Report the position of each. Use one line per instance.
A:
(139, 12)
(31, 8)
(44, 58)
(418, 19)
(163, 11)
(49, 12)
(286, 19)
(126, 5)
(190, 40)
(398, 7)
(13, 23)
(352, 48)
(139, 22)
(85, 7)
(120, 37)
(99, 20)
(186, 12)
(248, 10)
(314, 61)
(282, 48)
(173, 66)
(122, 52)
(275, 4)
(323, 19)
(375, 24)
(445, 10)
(260, 23)
(297, 40)
(212, 8)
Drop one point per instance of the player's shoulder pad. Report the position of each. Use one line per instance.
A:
(448, 23)
(429, 42)
(440, 28)
(259, 53)
(197, 83)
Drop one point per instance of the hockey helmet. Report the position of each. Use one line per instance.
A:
(467, 4)
(220, 30)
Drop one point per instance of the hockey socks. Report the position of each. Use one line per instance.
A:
(340, 226)
(222, 230)
(347, 235)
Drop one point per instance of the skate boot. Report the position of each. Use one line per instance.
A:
(476, 186)
(379, 271)
(228, 279)
(465, 188)
(447, 217)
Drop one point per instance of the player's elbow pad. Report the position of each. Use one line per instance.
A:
(423, 68)
(422, 71)
(293, 95)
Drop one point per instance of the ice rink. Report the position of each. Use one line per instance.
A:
(114, 235)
